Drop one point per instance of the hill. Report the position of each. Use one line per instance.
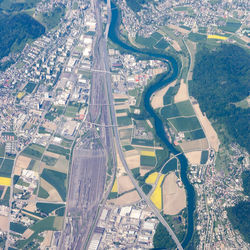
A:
(16, 30)
(220, 80)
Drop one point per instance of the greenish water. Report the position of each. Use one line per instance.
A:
(158, 124)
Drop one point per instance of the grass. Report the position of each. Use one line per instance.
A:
(185, 124)
(128, 147)
(142, 142)
(49, 161)
(179, 109)
(231, 27)
(2, 150)
(34, 151)
(157, 36)
(151, 179)
(58, 150)
(71, 111)
(147, 160)
(195, 135)
(6, 168)
(162, 44)
(169, 96)
(170, 166)
(57, 180)
(146, 188)
(17, 227)
(48, 207)
(156, 196)
(42, 193)
(196, 37)
(204, 157)
(124, 121)
(135, 172)
(29, 87)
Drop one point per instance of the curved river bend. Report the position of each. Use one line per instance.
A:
(159, 127)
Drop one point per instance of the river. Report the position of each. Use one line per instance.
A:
(159, 127)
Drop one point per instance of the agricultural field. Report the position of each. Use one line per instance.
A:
(125, 133)
(6, 168)
(231, 26)
(2, 149)
(168, 98)
(196, 37)
(204, 157)
(57, 179)
(156, 196)
(54, 112)
(48, 208)
(218, 37)
(151, 179)
(33, 151)
(194, 135)
(58, 150)
(149, 161)
(124, 121)
(5, 181)
(185, 123)
(142, 142)
(178, 109)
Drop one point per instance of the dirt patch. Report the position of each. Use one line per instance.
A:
(50, 125)
(120, 96)
(120, 168)
(124, 184)
(133, 161)
(176, 45)
(149, 123)
(126, 199)
(28, 232)
(21, 163)
(4, 223)
(209, 131)
(51, 154)
(121, 106)
(195, 145)
(157, 98)
(194, 157)
(174, 197)
(131, 153)
(143, 171)
(31, 207)
(182, 94)
(174, 27)
(47, 239)
(121, 114)
(3, 193)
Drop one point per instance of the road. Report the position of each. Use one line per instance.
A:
(103, 44)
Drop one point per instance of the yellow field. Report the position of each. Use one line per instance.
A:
(156, 196)
(152, 178)
(148, 153)
(216, 37)
(20, 95)
(115, 187)
(4, 181)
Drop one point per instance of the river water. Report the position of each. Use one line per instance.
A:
(159, 127)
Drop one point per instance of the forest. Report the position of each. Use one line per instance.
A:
(221, 80)
(239, 215)
(16, 30)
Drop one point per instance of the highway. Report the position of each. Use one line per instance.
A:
(103, 49)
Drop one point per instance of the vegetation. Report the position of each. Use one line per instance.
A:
(185, 123)
(204, 157)
(231, 27)
(196, 37)
(42, 193)
(58, 150)
(194, 135)
(29, 87)
(6, 168)
(146, 188)
(34, 151)
(124, 121)
(57, 180)
(135, 5)
(222, 74)
(147, 160)
(246, 182)
(16, 30)
(48, 207)
(142, 142)
(50, 161)
(170, 166)
(17, 227)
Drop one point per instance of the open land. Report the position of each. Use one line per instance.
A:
(194, 157)
(182, 94)
(124, 184)
(126, 199)
(174, 197)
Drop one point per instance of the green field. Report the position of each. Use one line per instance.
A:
(196, 37)
(135, 172)
(118, 111)
(146, 188)
(124, 121)
(6, 168)
(54, 112)
(29, 87)
(121, 100)
(169, 96)
(128, 147)
(194, 135)
(57, 180)
(147, 161)
(162, 44)
(185, 124)
(50, 161)
(42, 193)
(231, 27)
(142, 142)
(204, 157)
(202, 30)
(179, 109)
(157, 36)
(5, 200)
(147, 42)
(17, 227)
(170, 166)
(58, 150)
(34, 151)
(125, 133)
(48, 207)
(71, 111)
(31, 164)
(2, 150)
